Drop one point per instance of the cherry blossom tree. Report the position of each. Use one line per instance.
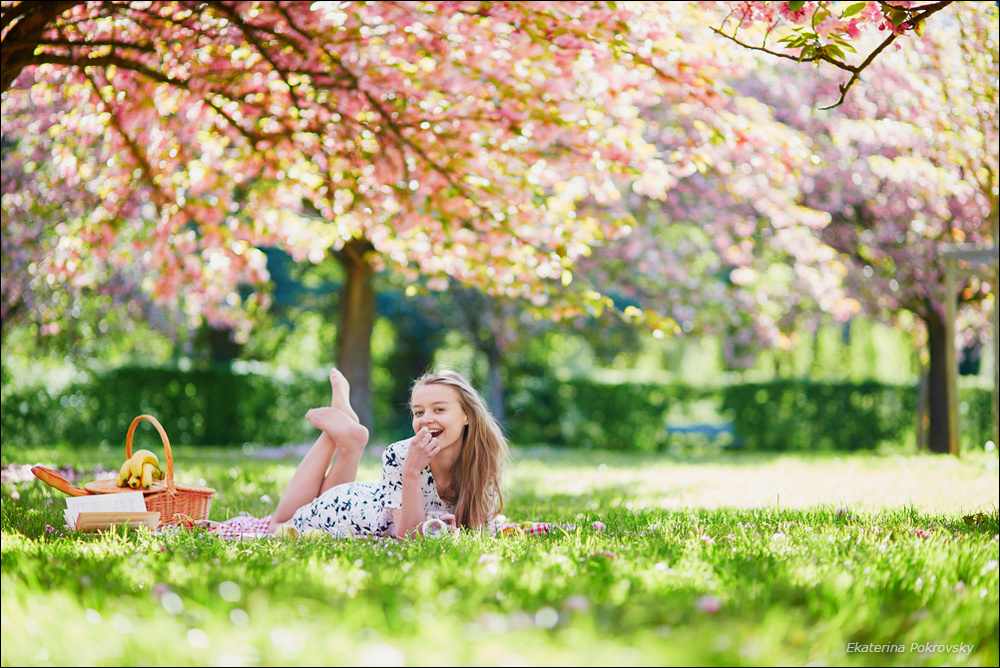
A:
(735, 247)
(730, 249)
(445, 140)
(162, 144)
(910, 169)
(853, 217)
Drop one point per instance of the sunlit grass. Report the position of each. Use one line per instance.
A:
(928, 483)
(758, 560)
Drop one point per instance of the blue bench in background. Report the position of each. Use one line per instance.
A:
(711, 433)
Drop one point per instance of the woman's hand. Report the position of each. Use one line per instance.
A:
(418, 456)
(422, 449)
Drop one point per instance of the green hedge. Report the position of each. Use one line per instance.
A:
(798, 416)
(216, 407)
(784, 415)
(211, 407)
(976, 416)
(588, 414)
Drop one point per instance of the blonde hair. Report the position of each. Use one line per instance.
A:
(476, 476)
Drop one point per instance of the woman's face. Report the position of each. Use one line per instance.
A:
(438, 407)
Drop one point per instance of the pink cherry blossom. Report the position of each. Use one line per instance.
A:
(708, 604)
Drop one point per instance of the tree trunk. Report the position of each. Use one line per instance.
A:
(937, 381)
(495, 384)
(922, 418)
(222, 346)
(355, 326)
(417, 339)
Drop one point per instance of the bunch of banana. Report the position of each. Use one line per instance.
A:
(140, 470)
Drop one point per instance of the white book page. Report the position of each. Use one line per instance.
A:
(125, 502)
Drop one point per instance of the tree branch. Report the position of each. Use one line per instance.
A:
(105, 62)
(928, 10)
(846, 86)
(810, 59)
(145, 168)
(23, 26)
(69, 44)
(914, 17)
(250, 33)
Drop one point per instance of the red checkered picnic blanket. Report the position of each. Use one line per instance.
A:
(242, 526)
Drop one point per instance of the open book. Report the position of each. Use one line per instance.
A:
(100, 511)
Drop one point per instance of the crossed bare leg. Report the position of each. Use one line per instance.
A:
(343, 435)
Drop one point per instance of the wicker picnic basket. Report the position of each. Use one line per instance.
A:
(175, 501)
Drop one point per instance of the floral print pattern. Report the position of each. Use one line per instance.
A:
(357, 509)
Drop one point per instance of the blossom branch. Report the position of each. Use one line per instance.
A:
(902, 18)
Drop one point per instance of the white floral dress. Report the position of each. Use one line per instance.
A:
(365, 508)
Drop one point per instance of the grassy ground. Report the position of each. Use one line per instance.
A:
(745, 560)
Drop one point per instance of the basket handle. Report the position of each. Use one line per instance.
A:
(166, 446)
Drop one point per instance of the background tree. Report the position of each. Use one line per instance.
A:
(910, 169)
(444, 140)
(872, 191)
(729, 250)
(441, 139)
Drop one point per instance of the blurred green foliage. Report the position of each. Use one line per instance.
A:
(222, 407)
(780, 415)
(803, 416)
(202, 407)
(585, 413)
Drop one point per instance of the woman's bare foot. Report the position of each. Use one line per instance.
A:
(341, 393)
(345, 431)
(329, 419)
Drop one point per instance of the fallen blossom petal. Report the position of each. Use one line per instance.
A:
(708, 604)
(578, 603)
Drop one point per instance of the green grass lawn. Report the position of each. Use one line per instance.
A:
(744, 560)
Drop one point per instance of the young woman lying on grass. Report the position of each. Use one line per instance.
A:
(450, 469)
